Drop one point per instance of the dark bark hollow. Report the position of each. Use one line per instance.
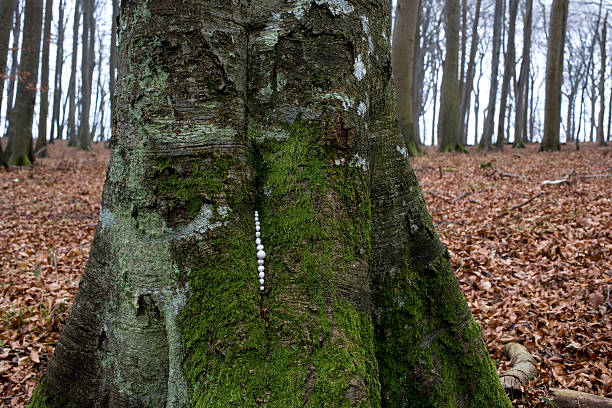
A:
(288, 109)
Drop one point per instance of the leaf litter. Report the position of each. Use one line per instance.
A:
(534, 260)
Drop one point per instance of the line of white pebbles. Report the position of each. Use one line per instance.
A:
(261, 255)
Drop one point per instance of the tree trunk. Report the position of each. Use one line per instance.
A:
(448, 122)
(406, 23)
(6, 21)
(14, 62)
(520, 121)
(254, 106)
(463, 48)
(113, 62)
(57, 87)
(86, 57)
(554, 75)
(509, 74)
(464, 105)
(41, 142)
(20, 128)
(601, 140)
(72, 108)
(489, 122)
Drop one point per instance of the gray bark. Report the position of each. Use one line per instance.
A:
(20, 149)
(57, 87)
(287, 109)
(41, 142)
(489, 123)
(113, 61)
(468, 87)
(601, 140)
(87, 45)
(72, 107)
(520, 121)
(509, 74)
(14, 61)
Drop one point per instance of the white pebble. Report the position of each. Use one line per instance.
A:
(260, 262)
(257, 241)
(260, 247)
(257, 228)
(258, 234)
(261, 255)
(256, 219)
(261, 268)
(261, 281)
(261, 288)
(262, 275)
(257, 223)
(256, 213)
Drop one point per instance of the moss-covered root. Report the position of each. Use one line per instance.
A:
(43, 399)
(432, 349)
(410, 138)
(20, 160)
(453, 148)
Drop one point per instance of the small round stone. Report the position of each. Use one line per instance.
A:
(261, 288)
(256, 219)
(261, 281)
(257, 223)
(257, 241)
(257, 228)
(261, 268)
(258, 234)
(261, 255)
(260, 262)
(256, 213)
(262, 275)
(260, 247)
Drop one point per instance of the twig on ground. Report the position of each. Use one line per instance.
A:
(460, 196)
(504, 174)
(438, 196)
(522, 204)
(565, 179)
(596, 176)
(575, 399)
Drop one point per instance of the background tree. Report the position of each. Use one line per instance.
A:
(169, 310)
(404, 31)
(468, 85)
(72, 109)
(41, 142)
(20, 127)
(87, 45)
(56, 124)
(601, 140)
(14, 60)
(554, 75)
(448, 125)
(509, 74)
(521, 92)
(489, 122)
(6, 22)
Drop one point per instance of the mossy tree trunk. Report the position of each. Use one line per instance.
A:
(448, 124)
(554, 76)
(284, 108)
(20, 147)
(404, 34)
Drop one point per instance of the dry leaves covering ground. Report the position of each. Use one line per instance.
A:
(540, 274)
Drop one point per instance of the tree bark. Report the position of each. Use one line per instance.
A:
(601, 140)
(260, 106)
(448, 122)
(14, 62)
(57, 87)
(86, 73)
(509, 74)
(20, 128)
(113, 62)
(554, 75)
(6, 21)
(469, 81)
(489, 122)
(72, 108)
(520, 121)
(406, 24)
(41, 141)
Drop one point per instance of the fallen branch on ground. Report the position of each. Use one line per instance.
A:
(521, 204)
(523, 369)
(438, 196)
(565, 179)
(575, 399)
(596, 176)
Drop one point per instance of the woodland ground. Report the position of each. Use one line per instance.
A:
(539, 274)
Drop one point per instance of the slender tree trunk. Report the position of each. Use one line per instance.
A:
(6, 22)
(113, 63)
(487, 133)
(360, 305)
(448, 122)
(406, 22)
(14, 62)
(86, 45)
(554, 75)
(20, 128)
(520, 121)
(72, 110)
(57, 87)
(509, 74)
(601, 140)
(463, 48)
(610, 116)
(469, 81)
(41, 141)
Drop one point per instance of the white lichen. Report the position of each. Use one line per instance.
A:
(347, 101)
(337, 7)
(201, 223)
(359, 69)
(359, 162)
(300, 8)
(361, 109)
(106, 220)
(402, 150)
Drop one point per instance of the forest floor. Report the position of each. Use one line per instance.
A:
(534, 260)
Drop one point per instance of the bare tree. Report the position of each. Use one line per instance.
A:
(72, 109)
(468, 86)
(6, 22)
(601, 140)
(86, 73)
(521, 92)
(14, 61)
(57, 87)
(509, 73)
(41, 141)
